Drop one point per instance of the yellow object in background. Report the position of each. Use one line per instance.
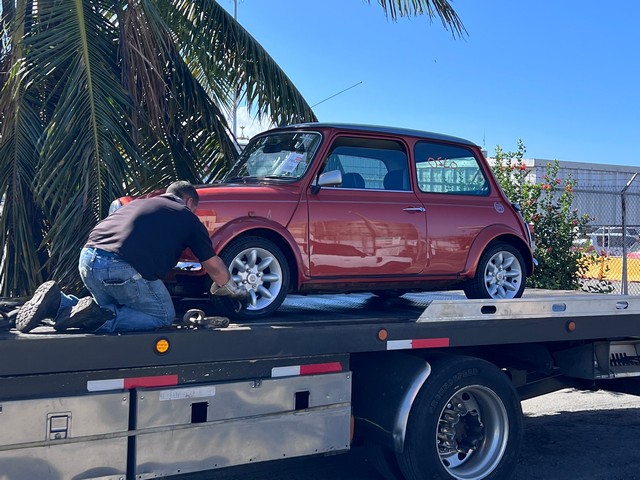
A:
(610, 268)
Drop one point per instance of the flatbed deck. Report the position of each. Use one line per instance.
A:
(331, 326)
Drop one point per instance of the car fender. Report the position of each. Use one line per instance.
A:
(490, 234)
(260, 226)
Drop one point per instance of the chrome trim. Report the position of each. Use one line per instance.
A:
(188, 266)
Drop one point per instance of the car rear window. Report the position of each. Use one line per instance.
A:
(450, 169)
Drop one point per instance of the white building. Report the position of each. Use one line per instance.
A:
(599, 189)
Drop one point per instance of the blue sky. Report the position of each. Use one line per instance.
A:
(564, 76)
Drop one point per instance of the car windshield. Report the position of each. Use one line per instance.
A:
(275, 156)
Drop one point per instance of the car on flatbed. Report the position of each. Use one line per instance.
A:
(336, 208)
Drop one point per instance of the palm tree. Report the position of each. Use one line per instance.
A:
(101, 98)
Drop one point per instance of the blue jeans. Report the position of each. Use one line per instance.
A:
(137, 304)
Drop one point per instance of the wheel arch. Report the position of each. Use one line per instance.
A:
(488, 237)
(271, 231)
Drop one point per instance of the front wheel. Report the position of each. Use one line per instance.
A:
(465, 424)
(258, 265)
(501, 273)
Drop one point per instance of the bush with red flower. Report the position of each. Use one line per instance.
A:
(548, 205)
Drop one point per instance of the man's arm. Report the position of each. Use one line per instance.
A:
(217, 270)
(223, 285)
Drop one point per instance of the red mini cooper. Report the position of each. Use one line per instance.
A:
(331, 208)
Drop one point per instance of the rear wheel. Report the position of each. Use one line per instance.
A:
(501, 273)
(258, 265)
(465, 424)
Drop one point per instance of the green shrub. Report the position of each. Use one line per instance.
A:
(548, 206)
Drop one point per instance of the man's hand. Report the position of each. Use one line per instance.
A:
(229, 289)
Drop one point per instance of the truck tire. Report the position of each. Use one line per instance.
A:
(501, 273)
(257, 264)
(465, 424)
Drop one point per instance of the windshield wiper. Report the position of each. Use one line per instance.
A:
(277, 177)
(240, 179)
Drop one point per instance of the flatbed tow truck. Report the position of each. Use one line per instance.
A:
(431, 387)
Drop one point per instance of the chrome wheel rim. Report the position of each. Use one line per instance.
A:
(473, 431)
(260, 272)
(503, 275)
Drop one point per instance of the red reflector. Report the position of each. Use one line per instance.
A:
(159, 381)
(320, 368)
(430, 343)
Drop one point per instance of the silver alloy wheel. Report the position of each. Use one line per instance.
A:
(473, 431)
(259, 271)
(503, 275)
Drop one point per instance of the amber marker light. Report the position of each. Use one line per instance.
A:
(383, 334)
(162, 346)
(571, 326)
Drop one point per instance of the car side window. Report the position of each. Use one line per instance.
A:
(365, 163)
(444, 168)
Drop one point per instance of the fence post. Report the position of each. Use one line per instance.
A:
(625, 289)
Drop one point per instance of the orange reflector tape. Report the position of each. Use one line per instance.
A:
(314, 368)
(417, 343)
(127, 383)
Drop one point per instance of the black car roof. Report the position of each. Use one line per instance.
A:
(379, 129)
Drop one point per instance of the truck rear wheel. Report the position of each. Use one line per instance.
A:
(465, 424)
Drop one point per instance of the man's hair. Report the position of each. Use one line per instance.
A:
(184, 190)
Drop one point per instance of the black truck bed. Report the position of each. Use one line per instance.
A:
(306, 329)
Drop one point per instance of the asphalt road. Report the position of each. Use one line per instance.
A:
(568, 435)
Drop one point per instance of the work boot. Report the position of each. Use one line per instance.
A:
(44, 304)
(86, 314)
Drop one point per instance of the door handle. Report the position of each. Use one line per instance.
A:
(414, 209)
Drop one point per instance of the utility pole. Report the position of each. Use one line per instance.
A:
(235, 93)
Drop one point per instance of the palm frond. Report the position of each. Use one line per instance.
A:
(22, 222)
(179, 107)
(86, 150)
(432, 8)
(226, 52)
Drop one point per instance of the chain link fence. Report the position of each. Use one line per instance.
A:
(611, 198)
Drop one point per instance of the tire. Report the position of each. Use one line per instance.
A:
(501, 273)
(383, 460)
(258, 265)
(465, 424)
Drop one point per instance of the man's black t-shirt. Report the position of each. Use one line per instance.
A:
(149, 234)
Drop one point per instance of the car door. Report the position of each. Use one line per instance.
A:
(453, 187)
(359, 227)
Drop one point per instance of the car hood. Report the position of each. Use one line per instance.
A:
(222, 203)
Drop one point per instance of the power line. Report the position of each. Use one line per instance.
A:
(336, 94)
